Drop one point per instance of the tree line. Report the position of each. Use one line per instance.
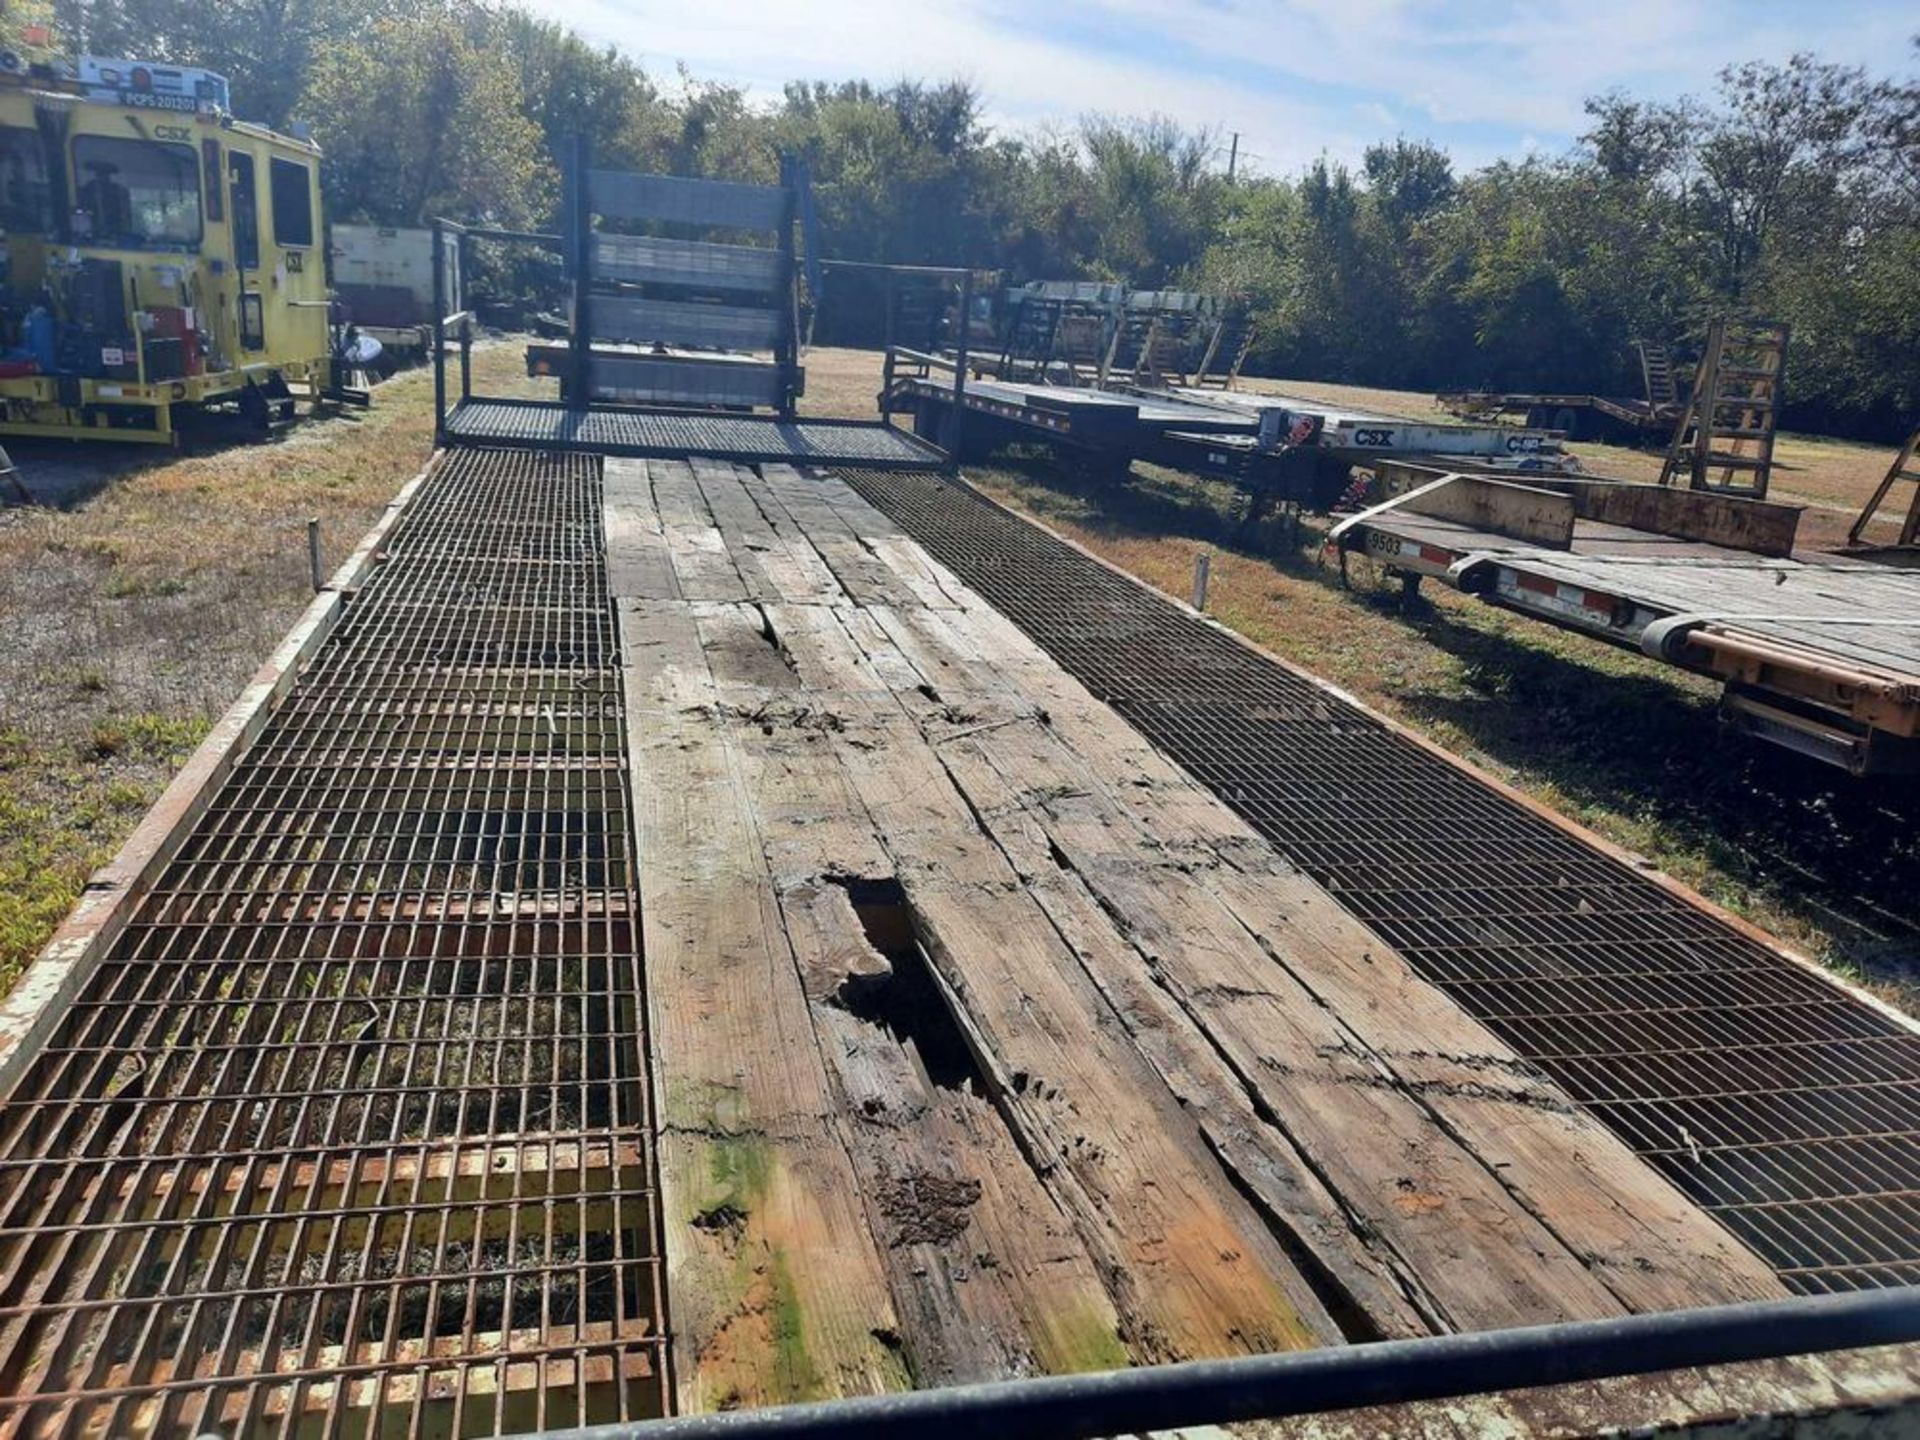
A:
(1791, 191)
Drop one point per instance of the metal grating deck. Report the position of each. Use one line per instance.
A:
(738, 439)
(357, 1103)
(1773, 1098)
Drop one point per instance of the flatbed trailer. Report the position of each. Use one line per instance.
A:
(1578, 416)
(1294, 448)
(1817, 653)
(678, 928)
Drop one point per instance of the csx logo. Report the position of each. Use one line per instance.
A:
(172, 132)
(1373, 439)
(1523, 444)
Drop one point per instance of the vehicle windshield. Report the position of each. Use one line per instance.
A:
(136, 193)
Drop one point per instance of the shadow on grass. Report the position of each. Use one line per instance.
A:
(66, 474)
(1839, 852)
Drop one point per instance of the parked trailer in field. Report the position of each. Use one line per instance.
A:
(1818, 654)
(1629, 418)
(1276, 447)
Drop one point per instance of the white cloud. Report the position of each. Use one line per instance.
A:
(1297, 78)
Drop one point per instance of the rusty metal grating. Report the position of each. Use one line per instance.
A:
(350, 1135)
(1771, 1097)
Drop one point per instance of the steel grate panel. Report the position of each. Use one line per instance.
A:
(1773, 1098)
(349, 1133)
(741, 439)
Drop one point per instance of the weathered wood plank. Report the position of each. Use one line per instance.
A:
(988, 1276)
(639, 566)
(790, 568)
(701, 560)
(865, 577)
(749, 538)
(778, 1289)
(1192, 1265)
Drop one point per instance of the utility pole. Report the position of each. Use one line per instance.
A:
(1233, 155)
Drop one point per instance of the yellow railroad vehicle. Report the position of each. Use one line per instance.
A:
(162, 261)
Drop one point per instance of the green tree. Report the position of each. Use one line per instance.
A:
(419, 116)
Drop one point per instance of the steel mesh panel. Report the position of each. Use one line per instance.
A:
(1773, 1098)
(741, 439)
(349, 1133)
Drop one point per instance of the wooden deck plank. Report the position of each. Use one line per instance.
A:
(865, 577)
(749, 539)
(778, 1290)
(701, 560)
(638, 564)
(783, 555)
(1164, 1073)
(1192, 1265)
(988, 1276)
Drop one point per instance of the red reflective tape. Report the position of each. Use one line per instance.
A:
(1595, 601)
(1434, 555)
(1538, 584)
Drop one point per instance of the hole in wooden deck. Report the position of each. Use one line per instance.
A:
(901, 998)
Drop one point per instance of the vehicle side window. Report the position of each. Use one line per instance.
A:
(292, 203)
(246, 212)
(26, 199)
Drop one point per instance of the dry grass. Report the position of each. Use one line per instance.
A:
(1623, 745)
(135, 617)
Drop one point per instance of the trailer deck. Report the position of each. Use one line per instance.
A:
(671, 933)
(1817, 652)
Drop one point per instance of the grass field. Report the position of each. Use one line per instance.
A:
(136, 611)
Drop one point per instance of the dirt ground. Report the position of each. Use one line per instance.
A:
(137, 603)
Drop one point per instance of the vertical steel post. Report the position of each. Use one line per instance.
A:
(891, 295)
(786, 353)
(1202, 568)
(313, 553)
(465, 252)
(580, 252)
(960, 373)
(439, 333)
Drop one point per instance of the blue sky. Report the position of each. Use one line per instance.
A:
(1296, 78)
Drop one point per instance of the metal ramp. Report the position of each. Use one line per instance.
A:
(679, 434)
(1227, 349)
(1903, 471)
(661, 360)
(1151, 346)
(1724, 438)
(685, 293)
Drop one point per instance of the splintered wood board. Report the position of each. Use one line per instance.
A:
(989, 1043)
